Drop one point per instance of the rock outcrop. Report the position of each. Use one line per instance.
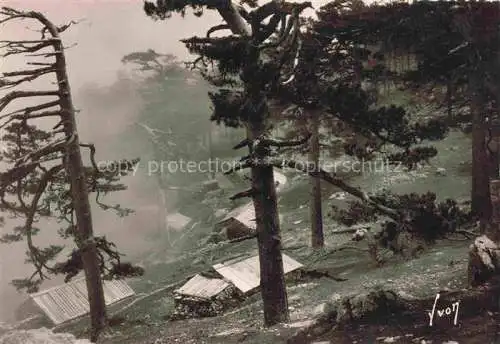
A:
(484, 262)
(369, 305)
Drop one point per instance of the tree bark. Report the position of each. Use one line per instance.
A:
(79, 191)
(272, 280)
(494, 161)
(316, 216)
(480, 192)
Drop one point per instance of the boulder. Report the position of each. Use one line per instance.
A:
(365, 305)
(375, 304)
(484, 261)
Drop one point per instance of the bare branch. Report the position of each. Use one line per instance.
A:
(15, 48)
(208, 40)
(233, 17)
(243, 194)
(30, 109)
(40, 63)
(61, 28)
(31, 216)
(19, 188)
(31, 75)
(21, 43)
(53, 147)
(295, 63)
(283, 35)
(267, 30)
(242, 144)
(217, 28)
(281, 144)
(338, 182)
(28, 116)
(32, 71)
(92, 149)
(24, 94)
(48, 54)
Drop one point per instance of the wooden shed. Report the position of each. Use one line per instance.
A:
(239, 222)
(70, 300)
(244, 274)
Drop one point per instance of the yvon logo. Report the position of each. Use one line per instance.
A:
(444, 311)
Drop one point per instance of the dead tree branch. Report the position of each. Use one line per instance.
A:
(25, 94)
(30, 216)
(30, 75)
(338, 182)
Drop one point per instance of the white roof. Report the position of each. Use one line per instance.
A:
(70, 300)
(203, 287)
(244, 214)
(280, 179)
(245, 274)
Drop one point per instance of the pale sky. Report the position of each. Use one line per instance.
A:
(111, 29)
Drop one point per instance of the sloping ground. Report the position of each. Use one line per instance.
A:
(174, 261)
(472, 317)
(478, 329)
(423, 277)
(40, 336)
(443, 266)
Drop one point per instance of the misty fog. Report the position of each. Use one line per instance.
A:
(107, 30)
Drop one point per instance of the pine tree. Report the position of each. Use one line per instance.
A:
(331, 85)
(248, 67)
(47, 178)
(243, 72)
(455, 44)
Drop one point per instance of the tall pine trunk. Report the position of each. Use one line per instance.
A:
(272, 277)
(316, 216)
(480, 192)
(272, 280)
(79, 190)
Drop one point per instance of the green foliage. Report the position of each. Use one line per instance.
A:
(30, 285)
(228, 52)
(233, 61)
(227, 101)
(450, 40)
(36, 187)
(163, 9)
(424, 215)
(328, 77)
